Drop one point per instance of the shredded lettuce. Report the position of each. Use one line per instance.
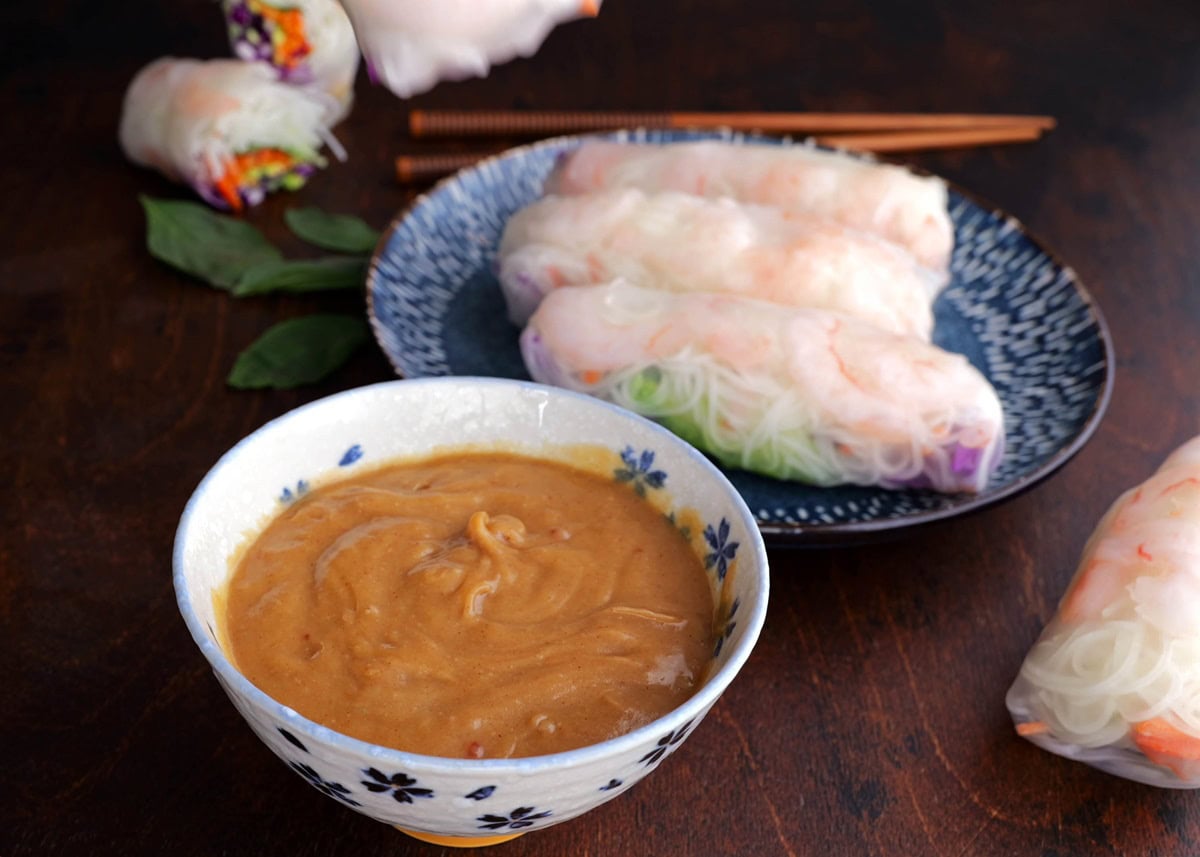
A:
(646, 390)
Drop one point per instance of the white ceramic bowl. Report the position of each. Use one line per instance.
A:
(461, 801)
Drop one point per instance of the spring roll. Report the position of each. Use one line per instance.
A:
(1114, 679)
(678, 242)
(801, 394)
(306, 42)
(890, 201)
(226, 127)
(410, 45)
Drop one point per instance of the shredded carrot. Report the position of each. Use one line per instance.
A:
(589, 8)
(556, 277)
(1143, 553)
(263, 158)
(1072, 610)
(1165, 744)
(591, 376)
(1033, 727)
(295, 46)
(653, 339)
(227, 187)
(596, 268)
(838, 358)
(1190, 480)
(237, 167)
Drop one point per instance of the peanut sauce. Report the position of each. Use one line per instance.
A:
(481, 605)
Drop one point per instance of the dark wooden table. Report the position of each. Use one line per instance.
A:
(870, 719)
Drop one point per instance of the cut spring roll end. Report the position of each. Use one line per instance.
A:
(248, 177)
(259, 31)
(306, 43)
(227, 128)
(1115, 674)
(965, 467)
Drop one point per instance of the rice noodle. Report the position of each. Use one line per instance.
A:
(793, 393)
(1121, 657)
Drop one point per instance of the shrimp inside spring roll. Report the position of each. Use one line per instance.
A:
(679, 242)
(793, 393)
(890, 201)
(1114, 679)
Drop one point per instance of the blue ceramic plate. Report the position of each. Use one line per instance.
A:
(1021, 316)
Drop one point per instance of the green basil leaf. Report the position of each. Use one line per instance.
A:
(298, 351)
(343, 233)
(214, 247)
(303, 275)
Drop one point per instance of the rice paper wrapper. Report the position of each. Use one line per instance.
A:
(1114, 679)
(410, 45)
(794, 393)
(884, 199)
(681, 242)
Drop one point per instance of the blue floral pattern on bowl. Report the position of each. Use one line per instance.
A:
(290, 495)
(521, 817)
(324, 786)
(637, 470)
(349, 457)
(467, 797)
(400, 786)
(1017, 313)
(664, 745)
(405, 789)
(722, 550)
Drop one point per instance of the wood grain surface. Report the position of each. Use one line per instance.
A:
(870, 719)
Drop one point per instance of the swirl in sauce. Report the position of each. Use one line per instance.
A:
(477, 605)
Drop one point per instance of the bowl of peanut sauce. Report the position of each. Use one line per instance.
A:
(469, 608)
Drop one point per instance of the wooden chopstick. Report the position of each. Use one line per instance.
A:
(540, 123)
(416, 169)
(919, 141)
